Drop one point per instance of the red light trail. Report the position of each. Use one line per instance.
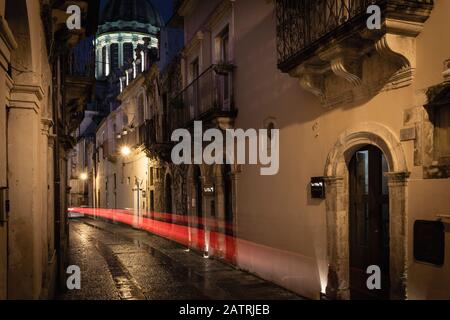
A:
(206, 235)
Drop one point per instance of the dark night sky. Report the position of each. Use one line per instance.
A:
(164, 7)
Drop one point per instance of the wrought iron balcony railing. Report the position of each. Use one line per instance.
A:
(153, 139)
(209, 95)
(81, 61)
(303, 25)
(147, 133)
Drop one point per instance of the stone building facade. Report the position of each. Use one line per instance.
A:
(365, 112)
(363, 94)
(37, 114)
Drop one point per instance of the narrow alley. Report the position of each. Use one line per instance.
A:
(220, 150)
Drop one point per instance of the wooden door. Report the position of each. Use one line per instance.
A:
(369, 222)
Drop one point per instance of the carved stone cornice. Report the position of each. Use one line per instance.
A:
(193, 44)
(218, 14)
(26, 96)
(397, 178)
(28, 89)
(186, 7)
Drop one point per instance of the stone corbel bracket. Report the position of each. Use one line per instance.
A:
(399, 42)
(398, 45)
(346, 63)
(311, 79)
(352, 54)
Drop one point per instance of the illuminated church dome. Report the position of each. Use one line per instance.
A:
(125, 25)
(129, 15)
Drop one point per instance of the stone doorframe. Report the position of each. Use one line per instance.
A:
(337, 207)
(213, 175)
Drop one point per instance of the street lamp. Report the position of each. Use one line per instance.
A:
(83, 176)
(125, 151)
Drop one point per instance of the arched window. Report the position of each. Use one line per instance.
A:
(104, 53)
(127, 53)
(114, 57)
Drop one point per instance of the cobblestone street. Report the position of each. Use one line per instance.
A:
(120, 263)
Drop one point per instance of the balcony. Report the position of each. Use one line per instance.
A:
(130, 138)
(147, 133)
(208, 98)
(79, 83)
(327, 45)
(109, 150)
(61, 43)
(152, 144)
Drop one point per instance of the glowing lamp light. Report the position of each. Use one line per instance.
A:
(125, 151)
(83, 176)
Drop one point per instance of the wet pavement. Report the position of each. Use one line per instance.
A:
(121, 263)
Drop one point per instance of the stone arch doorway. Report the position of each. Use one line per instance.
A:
(337, 207)
(225, 185)
(196, 213)
(368, 221)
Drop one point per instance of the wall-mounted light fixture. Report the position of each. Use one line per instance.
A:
(317, 188)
